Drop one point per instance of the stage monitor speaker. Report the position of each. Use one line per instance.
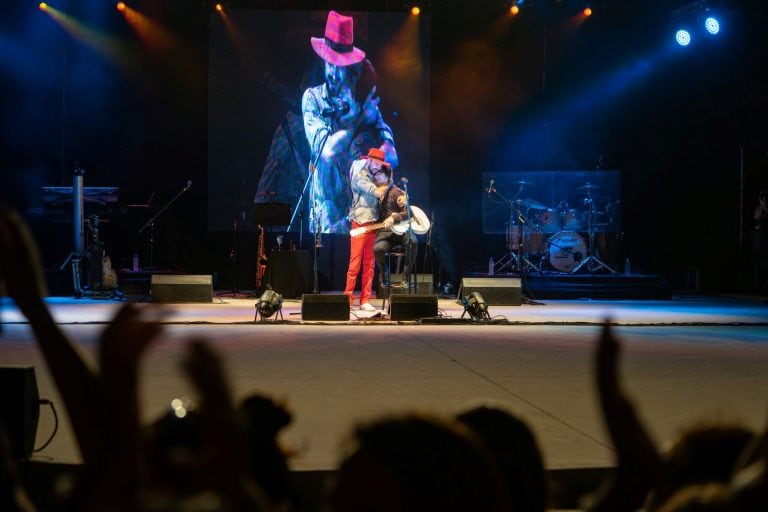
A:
(497, 291)
(316, 306)
(19, 408)
(181, 288)
(412, 306)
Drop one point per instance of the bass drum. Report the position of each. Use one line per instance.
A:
(566, 249)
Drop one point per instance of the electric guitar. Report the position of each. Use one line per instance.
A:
(419, 223)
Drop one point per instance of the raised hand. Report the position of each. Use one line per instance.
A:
(750, 481)
(224, 435)
(637, 461)
(20, 264)
(369, 111)
(71, 372)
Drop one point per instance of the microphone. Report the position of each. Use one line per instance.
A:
(189, 185)
(337, 109)
(404, 181)
(490, 186)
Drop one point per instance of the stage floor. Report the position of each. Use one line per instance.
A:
(684, 360)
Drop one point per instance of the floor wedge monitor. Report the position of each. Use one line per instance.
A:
(325, 306)
(412, 306)
(181, 288)
(497, 291)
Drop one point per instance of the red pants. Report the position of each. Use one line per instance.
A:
(360, 251)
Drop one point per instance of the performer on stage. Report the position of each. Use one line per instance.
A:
(760, 242)
(391, 210)
(368, 188)
(334, 113)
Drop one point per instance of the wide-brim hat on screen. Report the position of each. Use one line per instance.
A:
(337, 47)
(377, 155)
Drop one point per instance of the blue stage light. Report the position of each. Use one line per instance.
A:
(712, 25)
(683, 37)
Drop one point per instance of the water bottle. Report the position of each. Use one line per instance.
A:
(135, 262)
(626, 267)
(491, 265)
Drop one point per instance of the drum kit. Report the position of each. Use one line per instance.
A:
(560, 238)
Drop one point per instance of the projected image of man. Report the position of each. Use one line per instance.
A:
(334, 115)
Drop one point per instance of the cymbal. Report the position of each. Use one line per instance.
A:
(522, 182)
(530, 203)
(588, 186)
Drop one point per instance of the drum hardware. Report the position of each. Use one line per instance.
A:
(514, 260)
(592, 263)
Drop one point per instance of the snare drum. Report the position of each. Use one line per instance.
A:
(566, 249)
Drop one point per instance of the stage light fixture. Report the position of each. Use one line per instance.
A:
(43, 6)
(683, 37)
(475, 306)
(269, 303)
(712, 25)
(415, 10)
(587, 12)
(121, 6)
(219, 7)
(514, 10)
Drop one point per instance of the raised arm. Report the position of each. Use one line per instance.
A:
(73, 375)
(637, 461)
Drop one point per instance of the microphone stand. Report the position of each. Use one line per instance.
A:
(151, 224)
(313, 209)
(408, 250)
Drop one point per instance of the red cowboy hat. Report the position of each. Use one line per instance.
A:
(377, 155)
(336, 47)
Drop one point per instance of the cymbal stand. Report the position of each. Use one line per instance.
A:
(592, 262)
(514, 260)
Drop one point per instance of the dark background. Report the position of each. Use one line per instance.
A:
(506, 95)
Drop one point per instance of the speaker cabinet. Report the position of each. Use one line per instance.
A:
(499, 291)
(19, 408)
(316, 306)
(413, 306)
(181, 288)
